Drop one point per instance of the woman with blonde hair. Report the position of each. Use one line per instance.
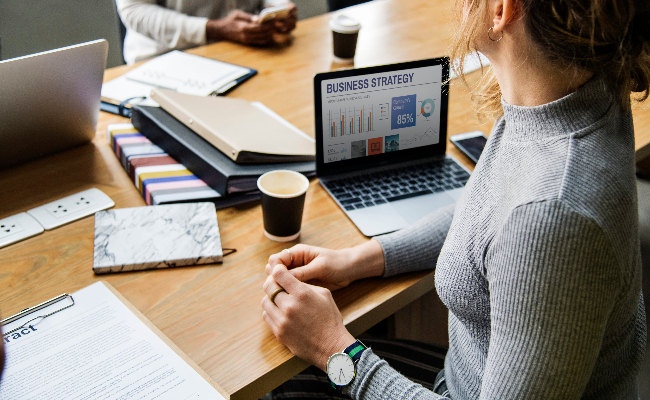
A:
(539, 260)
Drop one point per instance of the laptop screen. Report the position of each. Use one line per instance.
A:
(371, 116)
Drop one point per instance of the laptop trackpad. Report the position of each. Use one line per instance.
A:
(417, 207)
(373, 221)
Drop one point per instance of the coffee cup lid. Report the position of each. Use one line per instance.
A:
(344, 24)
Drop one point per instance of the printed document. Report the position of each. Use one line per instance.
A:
(176, 70)
(96, 349)
(186, 73)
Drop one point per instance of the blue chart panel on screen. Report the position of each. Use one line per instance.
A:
(403, 115)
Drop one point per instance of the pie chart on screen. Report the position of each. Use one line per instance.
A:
(427, 108)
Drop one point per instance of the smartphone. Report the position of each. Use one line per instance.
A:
(470, 143)
(271, 13)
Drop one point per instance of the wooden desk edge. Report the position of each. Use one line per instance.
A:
(358, 324)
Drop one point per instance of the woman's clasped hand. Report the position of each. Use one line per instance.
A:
(304, 317)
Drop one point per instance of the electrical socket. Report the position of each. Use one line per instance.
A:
(71, 208)
(9, 228)
(70, 205)
(18, 227)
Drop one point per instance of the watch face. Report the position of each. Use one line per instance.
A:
(340, 369)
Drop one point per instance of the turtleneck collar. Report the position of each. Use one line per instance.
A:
(564, 116)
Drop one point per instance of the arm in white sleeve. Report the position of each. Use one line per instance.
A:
(273, 3)
(169, 28)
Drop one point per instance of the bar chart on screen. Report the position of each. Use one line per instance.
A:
(379, 113)
(355, 120)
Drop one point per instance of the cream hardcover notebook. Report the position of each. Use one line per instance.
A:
(244, 131)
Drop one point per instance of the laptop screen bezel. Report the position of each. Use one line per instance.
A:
(326, 169)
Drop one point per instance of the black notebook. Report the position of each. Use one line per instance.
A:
(200, 157)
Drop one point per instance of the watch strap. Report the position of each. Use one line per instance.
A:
(355, 350)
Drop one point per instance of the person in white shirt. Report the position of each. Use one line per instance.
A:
(158, 26)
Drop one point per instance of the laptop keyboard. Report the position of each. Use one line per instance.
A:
(401, 183)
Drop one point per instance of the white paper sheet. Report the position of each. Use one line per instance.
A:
(176, 70)
(186, 73)
(121, 89)
(97, 349)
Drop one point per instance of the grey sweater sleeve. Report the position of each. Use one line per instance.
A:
(411, 249)
(416, 247)
(553, 281)
(377, 380)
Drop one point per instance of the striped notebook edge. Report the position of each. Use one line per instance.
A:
(158, 177)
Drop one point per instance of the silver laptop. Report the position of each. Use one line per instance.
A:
(50, 101)
(381, 135)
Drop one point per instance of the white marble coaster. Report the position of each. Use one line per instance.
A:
(131, 239)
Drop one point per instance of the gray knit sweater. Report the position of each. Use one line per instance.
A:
(538, 262)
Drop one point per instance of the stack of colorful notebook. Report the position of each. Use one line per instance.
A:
(158, 177)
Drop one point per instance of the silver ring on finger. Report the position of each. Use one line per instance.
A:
(290, 255)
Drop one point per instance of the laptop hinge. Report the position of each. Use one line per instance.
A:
(380, 168)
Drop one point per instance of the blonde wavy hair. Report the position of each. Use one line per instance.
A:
(610, 38)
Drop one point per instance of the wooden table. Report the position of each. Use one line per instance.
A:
(213, 312)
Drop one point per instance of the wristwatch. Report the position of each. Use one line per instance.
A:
(342, 367)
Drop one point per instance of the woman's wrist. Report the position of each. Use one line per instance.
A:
(367, 260)
(340, 343)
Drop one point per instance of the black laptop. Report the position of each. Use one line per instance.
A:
(381, 136)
